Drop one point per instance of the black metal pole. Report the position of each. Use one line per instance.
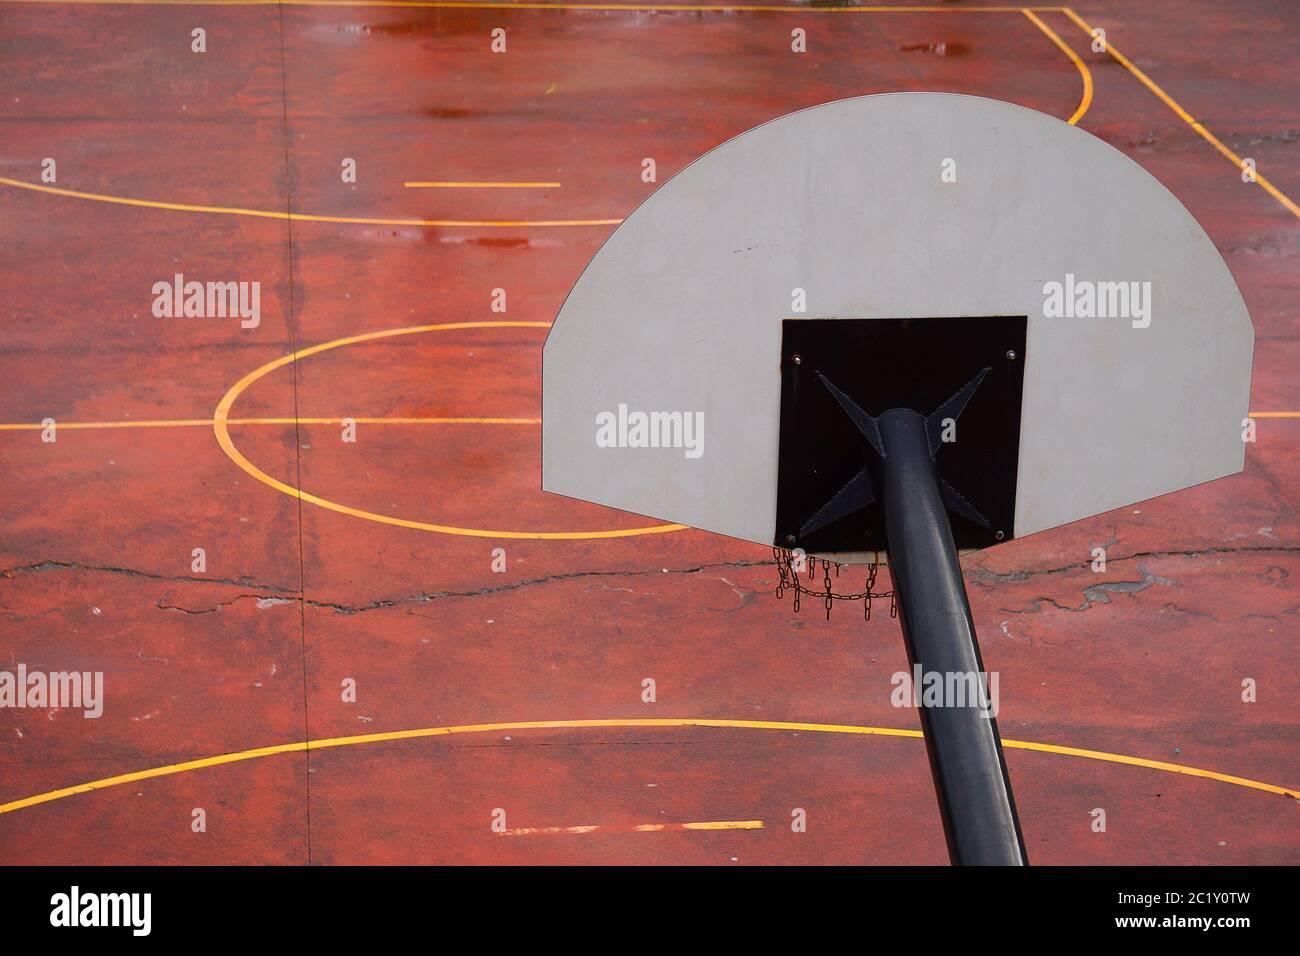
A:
(970, 774)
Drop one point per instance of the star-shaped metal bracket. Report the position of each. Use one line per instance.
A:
(858, 492)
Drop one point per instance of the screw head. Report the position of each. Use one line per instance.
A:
(790, 539)
(796, 359)
(1011, 356)
(999, 535)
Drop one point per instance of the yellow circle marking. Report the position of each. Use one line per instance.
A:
(306, 745)
(1084, 73)
(221, 419)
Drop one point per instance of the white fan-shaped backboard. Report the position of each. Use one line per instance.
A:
(902, 205)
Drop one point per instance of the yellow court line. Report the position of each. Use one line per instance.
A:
(220, 419)
(188, 422)
(450, 185)
(1186, 117)
(1273, 414)
(394, 735)
(637, 828)
(1086, 100)
(299, 216)
(725, 825)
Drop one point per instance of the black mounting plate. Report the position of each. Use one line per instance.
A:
(897, 363)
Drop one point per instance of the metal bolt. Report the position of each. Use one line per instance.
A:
(796, 359)
(999, 535)
(790, 539)
(1011, 356)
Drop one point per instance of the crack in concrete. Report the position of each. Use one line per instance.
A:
(1171, 606)
(42, 566)
(430, 596)
(984, 575)
(1095, 594)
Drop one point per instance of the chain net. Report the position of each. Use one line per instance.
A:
(791, 565)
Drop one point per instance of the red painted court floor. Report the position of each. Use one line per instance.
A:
(424, 644)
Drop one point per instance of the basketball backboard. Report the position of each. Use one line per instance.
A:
(896, 247)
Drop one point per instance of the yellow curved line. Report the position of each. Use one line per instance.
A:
(1082, 67)
(297, 216)
(305, 745)
(1183, 115)
(220, 420)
